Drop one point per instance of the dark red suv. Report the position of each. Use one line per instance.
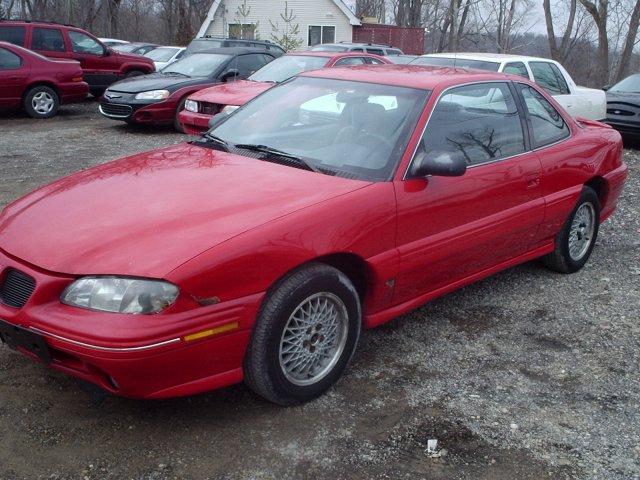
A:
(101, 65)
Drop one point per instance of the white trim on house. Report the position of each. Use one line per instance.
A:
(353, 20)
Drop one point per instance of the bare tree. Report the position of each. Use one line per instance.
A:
(629, 44)
(599, 14)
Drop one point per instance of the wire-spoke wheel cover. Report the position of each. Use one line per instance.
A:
(42, 103)
(582, 230)
(313, 339)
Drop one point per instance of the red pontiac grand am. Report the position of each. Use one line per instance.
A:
(203, 105)
(337, 200)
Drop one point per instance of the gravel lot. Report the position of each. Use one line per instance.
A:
(526, 375)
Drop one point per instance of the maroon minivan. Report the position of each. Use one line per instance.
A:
(101, 65)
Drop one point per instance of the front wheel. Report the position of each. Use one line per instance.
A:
(577, 238)
(304, 337)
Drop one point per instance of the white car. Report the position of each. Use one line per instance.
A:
(163, 56)
(579, 101)
(112, 42)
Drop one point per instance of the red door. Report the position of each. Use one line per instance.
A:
(99, 66)
(450, 228)
(14, 73)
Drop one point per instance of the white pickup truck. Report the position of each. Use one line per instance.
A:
(579, 101)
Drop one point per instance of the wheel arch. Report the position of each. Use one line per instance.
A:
(601, 187)
(38, 83)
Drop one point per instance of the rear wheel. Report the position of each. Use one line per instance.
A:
(41, 102)
(577, 238)
(304, 337)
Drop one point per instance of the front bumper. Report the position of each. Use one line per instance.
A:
(625, 127)
(194, 123)
(139, 111)
(135, 356)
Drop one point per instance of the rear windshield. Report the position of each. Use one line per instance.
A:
(161, 54)
(329, 48)
(202, 44)
(457, 63)
(286, 67)
(13, 35)
(126, 47)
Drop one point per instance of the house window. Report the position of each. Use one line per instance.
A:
(321, 34)
(245, 31)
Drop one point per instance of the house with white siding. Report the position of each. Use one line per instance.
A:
(315, 21)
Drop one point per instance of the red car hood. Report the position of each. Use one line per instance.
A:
(147, 214)
(232, 93)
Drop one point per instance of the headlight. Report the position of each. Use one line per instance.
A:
(191, 105)
(153, 95)
(120, 295)
(229, 109)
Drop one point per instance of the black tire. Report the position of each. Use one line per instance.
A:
(262, 370)
(44, 94)
(176, 123)
(561, 259)
(133, 73)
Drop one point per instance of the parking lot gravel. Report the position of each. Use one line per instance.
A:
(526, 375)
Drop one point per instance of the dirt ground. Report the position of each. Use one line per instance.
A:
(526, 375)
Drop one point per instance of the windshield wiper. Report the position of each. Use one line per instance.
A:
(217, 140)
(274, 151)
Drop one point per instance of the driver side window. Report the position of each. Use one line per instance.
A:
(479, 121)
(81, 43)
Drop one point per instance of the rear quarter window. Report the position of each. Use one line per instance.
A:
(13, 35)
(547, 125)
(9, 60)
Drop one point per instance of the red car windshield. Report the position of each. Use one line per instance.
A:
(352, 129)
(286, 67)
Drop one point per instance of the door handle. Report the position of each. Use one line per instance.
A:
(533, 181)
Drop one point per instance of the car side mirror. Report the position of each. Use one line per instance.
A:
(439, 164)
(106, 52)
(606, 87)
(230, 74)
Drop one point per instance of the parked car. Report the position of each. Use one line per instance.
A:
(260, 251)
(101, 65)
(158, 98)
(203, 105)
(207, 42)
(37, 84)
(623, 106)
(163, 56)
(374, 48)
(579, 101)
(112, 42)
(136, 48)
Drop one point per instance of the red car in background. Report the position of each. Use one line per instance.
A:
(101, 65)
(333, 202)
(37, 84)
(203, 105)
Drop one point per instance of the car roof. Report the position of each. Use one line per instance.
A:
(487, 57)
(309, 53)
(234, 50)
(412, 76)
